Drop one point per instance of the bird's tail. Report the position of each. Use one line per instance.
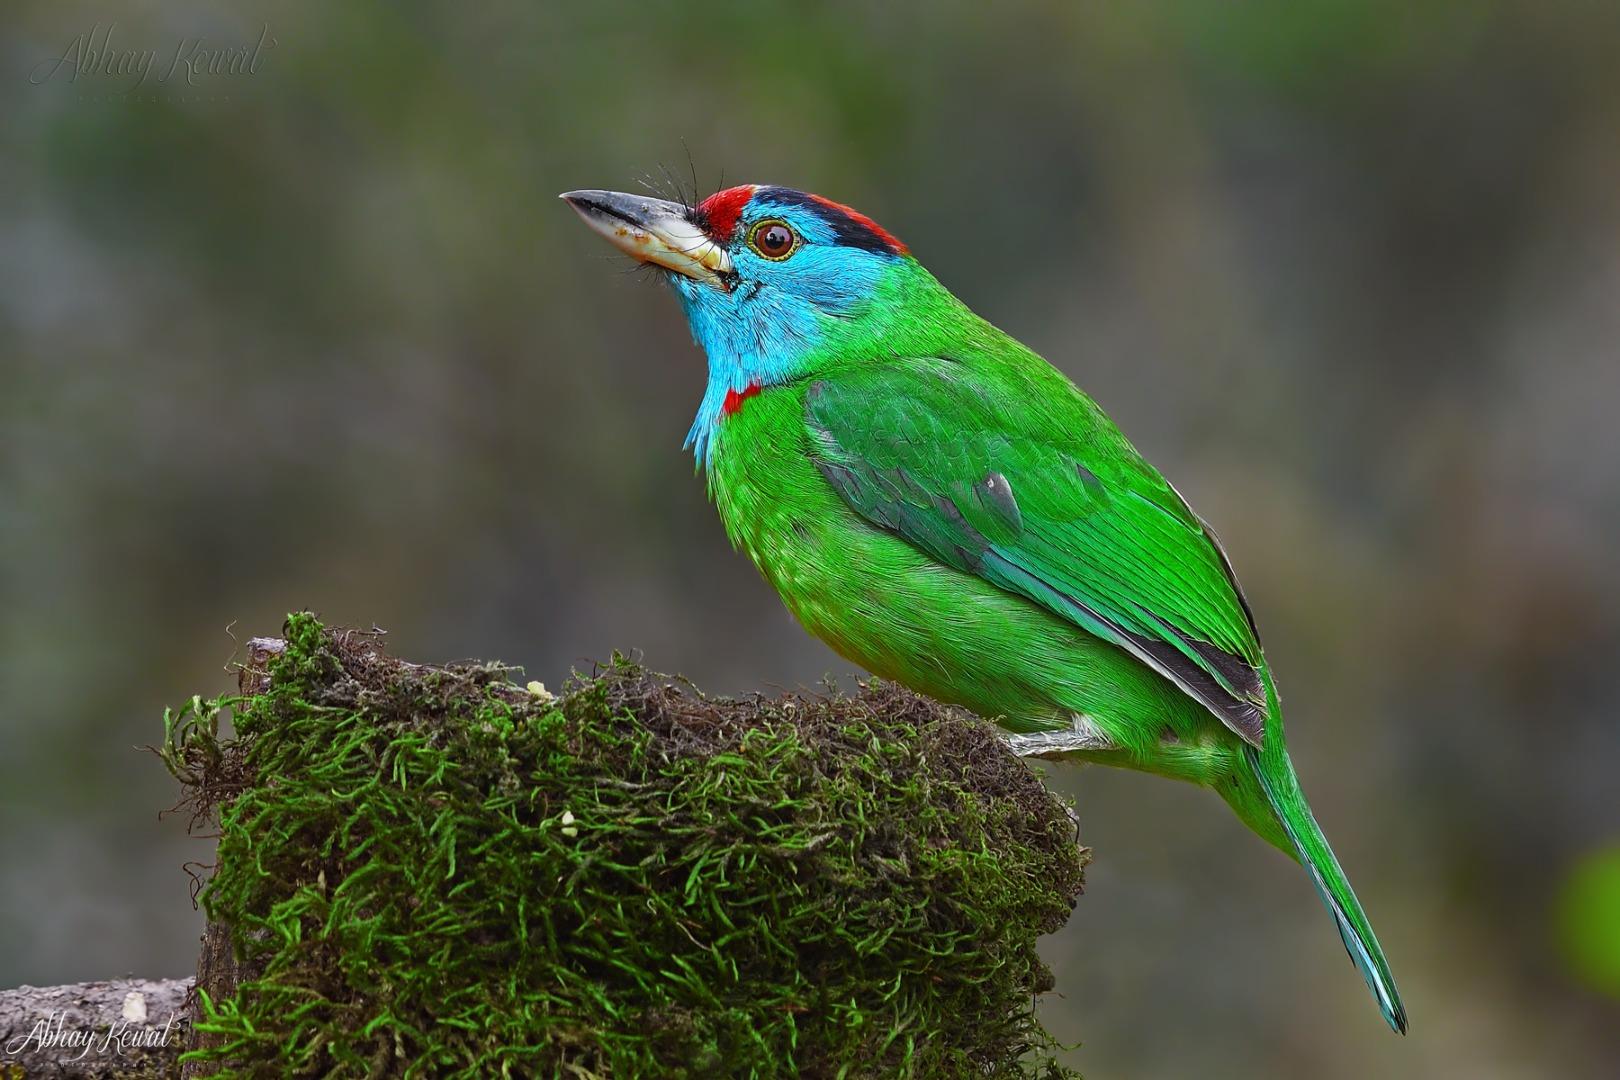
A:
(1277, 780)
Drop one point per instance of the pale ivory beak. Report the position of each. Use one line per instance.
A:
(653, 231)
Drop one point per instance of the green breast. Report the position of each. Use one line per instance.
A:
(885, 605)
(777, 508)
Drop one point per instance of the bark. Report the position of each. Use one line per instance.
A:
(122, 1028)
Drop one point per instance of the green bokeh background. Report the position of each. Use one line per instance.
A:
(1348, 272)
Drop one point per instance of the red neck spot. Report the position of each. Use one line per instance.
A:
(855, 215)
(720, 211)
(734, 400)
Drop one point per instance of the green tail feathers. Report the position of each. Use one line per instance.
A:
(1277, 779)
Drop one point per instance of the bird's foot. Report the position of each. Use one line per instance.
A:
(1083, 735)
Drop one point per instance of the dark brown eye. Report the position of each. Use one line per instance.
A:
(773, 239)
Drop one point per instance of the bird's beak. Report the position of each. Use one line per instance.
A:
(653, 231)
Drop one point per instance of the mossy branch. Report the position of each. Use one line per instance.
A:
(432, 871)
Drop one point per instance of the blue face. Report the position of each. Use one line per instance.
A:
(802, 270)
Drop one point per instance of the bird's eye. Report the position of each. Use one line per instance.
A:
(773, 239)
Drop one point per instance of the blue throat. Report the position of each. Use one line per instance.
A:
(781, 320)
(765, 334)
(745, 347)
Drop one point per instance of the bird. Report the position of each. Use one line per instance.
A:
(949, 511)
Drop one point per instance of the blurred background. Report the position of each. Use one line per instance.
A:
(320, 334)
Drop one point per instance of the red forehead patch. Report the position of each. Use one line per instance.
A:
(720, 211)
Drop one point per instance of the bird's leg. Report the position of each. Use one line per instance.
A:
(1083, 735)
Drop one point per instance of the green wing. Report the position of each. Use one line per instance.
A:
(1013, 475)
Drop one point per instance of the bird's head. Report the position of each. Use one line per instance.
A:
(775, 282)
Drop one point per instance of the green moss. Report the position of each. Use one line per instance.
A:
(440, 873)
